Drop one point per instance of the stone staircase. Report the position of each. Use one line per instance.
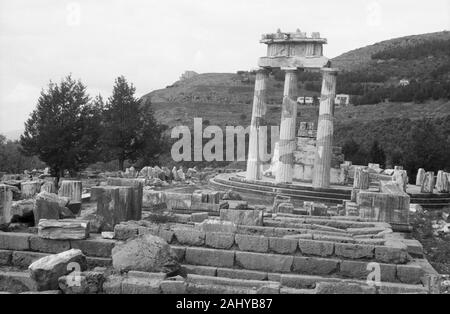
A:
(289, 254)
(431, 201)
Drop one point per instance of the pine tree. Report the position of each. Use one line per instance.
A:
(63, 130)
(130, 129)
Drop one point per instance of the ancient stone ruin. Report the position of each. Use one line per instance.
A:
(308, 222)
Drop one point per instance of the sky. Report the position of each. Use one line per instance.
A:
(152, 42)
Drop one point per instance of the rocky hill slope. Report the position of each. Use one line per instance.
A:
(223, 98)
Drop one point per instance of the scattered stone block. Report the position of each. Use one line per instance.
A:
(343, 288)
(98, 262)
(264, 262)
(219, 240)
(397, 288)
(286, 208)
(252, 243)
(24, 259)
(237, 204)
(178, 201)
(214, 225)
(96, 247)
(14, 241)
(190, 236)
(166, 234)
(49, 206)
(242, 274)
(318, 209)
(30, 188)
(174, 286)
(46, 271)
(145, 253)
(125, 231)
(113, 285)
(16, 282)
(22, 210)
(137, 285)
(48, 246)
(199, 217)
(392, 253)
(108, 234)
(354, 251)
(269, 289)
(66, 229)
(5, 257)
(280, 199)
(154, 199)
(316, 248)
(410, 274)
(283, 246)
(231, 195)
(89, 282)
(315, 266)
(209, 257)
(250, 217)
(384, 207)
(360, 270)
(74, 207)
(201, 270)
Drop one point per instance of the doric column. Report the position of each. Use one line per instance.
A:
(324, 144)
(287, 127)
(259, 111)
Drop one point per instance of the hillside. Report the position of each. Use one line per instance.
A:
(173, 114)
(361, 58)
(218, 88)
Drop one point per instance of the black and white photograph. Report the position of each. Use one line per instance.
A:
(224, 154)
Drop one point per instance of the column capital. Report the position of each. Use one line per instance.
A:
(263, 70)
(331, 71)
(289, 69)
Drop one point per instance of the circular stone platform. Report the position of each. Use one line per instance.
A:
(303, 191)
(297, 191)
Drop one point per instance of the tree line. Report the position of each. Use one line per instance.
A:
(436, 47)
(69, 130)
(413, 144)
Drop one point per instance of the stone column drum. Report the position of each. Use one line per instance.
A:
(428, 183)
(136, 202)
(442, 185)
(71, 189)
(287, 142)
(30, 188)
(420, 176)
(259, 111)
(114, 205)
(6, 198)
(361, 179)
(322, 162)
